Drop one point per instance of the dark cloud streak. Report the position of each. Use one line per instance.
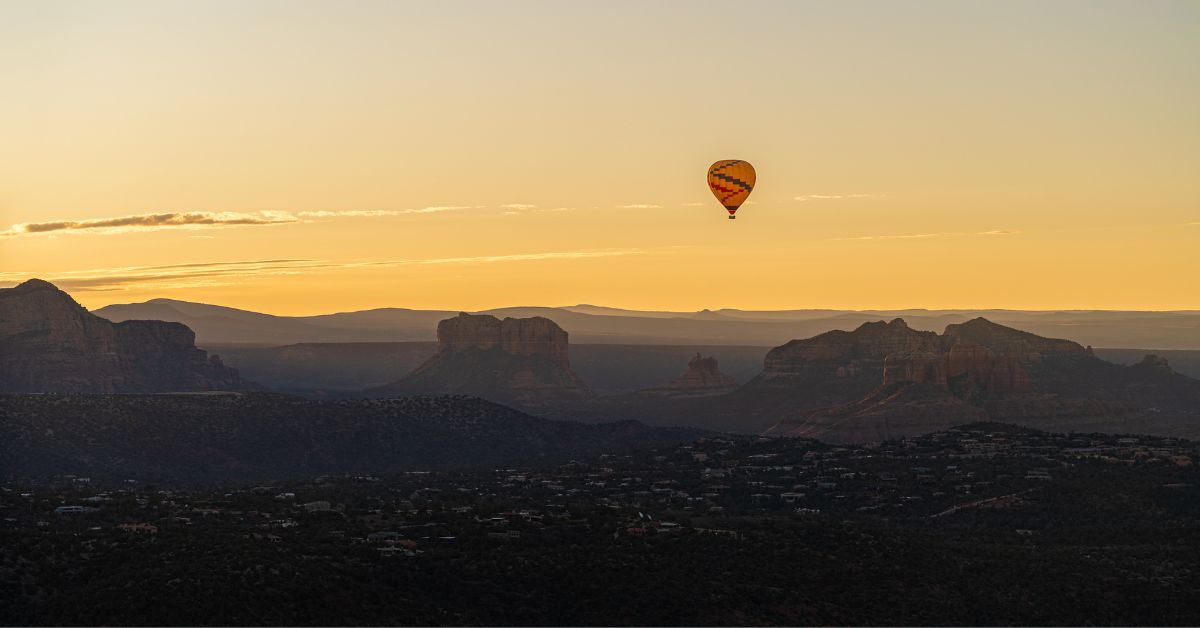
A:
(156, 221)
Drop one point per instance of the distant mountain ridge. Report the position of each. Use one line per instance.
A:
(601, 325)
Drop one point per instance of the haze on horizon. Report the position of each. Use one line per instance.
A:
(309, 157)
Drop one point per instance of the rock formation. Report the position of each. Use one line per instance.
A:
(526, 337)
(1156, 363)
(885, 379)
(523, 361)
(865, 347)
(702, 377)
(915, 367)
(49, 343)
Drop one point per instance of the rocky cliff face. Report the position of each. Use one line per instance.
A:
(49, 343)
(845, 353)
(886, 379)
(915, 367)
(523, 361)
(702, 377)
(970, 358)
(526, 337)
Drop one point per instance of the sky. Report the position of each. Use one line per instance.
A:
(308, 157)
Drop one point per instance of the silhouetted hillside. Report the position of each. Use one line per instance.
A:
(256, 436)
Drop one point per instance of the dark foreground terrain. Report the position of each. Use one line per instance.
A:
(985, 524)
(223, 437)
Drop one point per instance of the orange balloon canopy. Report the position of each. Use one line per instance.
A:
(731, 181)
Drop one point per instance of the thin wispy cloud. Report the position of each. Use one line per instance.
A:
(204, 220)
(692, 205)
(641, 206)
(154, 221)
(207, 274)
(520, 257)
(518, 206)
(381, 212)
(922, 236)
(167, 276)
(834, 197)
(518, 210)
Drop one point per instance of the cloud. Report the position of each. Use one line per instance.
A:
(167, 276)
(517, 209)
(520, 257)
(834, 197)
(154, 221)
(921, 236)
(206, 274)
(693, 205)
(914, 236)
(204, 220)
(641, 206)
(382, 212)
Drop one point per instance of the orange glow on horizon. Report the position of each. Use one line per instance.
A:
(314, 158)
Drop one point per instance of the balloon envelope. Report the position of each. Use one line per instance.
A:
(731, 181)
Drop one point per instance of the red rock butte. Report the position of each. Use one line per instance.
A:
(535, 336)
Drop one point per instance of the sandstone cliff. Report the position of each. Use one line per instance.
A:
(845, 353)
(49, 343)
(702, 377)
(885, 379)
(523, 361)
(533, 337)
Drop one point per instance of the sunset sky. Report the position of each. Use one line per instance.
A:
(305, 157)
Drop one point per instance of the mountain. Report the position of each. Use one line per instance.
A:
(514, 360)
(215, 325)
(703, 377)
(49, 343)
(250, 437)
(1184, 361)
(885, 380)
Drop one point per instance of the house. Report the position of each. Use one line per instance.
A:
(74, 510)
(139, 528)
(395, 552)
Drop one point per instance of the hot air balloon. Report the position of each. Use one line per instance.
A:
(731, 181)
